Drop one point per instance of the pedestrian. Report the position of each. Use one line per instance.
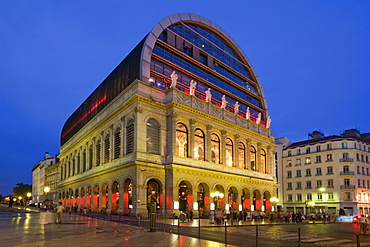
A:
(191, 214)
(11, 202)
(59, 210)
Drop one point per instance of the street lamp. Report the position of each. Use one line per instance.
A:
(274, 201)
(28, 197)
(47, 190)
(216, 197)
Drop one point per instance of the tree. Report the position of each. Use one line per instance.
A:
(22, 190)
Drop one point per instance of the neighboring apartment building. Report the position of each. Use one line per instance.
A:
(180, 124)
(39, 178)
(325, 174)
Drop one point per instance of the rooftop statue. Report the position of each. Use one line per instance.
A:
(224, 102)
(247, 114)
(236, 107)
(208, 95)
(193, 85)
(174, 78)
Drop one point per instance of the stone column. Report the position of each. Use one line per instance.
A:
(236, 151)
(100, 198)
(171, 134)
(191, 138)
(120, 200)
(139, 199)
(222, 147)
(208, 144)
(258, 157)
(109, 198)
(248, 154)
(270, 161)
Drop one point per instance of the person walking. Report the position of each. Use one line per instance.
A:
(59, 210)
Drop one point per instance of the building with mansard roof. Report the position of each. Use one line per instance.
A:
(181, 123)
(327, 173)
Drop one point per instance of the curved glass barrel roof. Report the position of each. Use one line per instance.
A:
(196, 49)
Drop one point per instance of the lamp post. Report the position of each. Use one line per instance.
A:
(46, 190)
(216, 196)
(28, 197)
(274, 201)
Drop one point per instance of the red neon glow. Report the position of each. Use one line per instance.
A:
(84, 116)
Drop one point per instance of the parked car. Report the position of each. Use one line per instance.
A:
(349, 218)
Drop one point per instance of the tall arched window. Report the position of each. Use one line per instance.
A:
(199, 144)
(215, 149)
(98, 150)
(130, 135)
(84, 160)
(117, 143)
(91, 156)
(181, 140)
(73, 166)
(78, 163)
(229, 152)
(253, 158)
(106, 149)
(153, 132)
(263, 161)
(241, 149)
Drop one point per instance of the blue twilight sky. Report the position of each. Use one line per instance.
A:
(312, 59)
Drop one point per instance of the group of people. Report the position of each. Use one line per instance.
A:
(46, 216)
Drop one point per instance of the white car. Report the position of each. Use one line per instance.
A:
(349, 218)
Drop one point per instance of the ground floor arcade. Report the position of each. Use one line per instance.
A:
(167, 191)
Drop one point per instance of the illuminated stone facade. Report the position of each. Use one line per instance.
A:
(149, 139)
(327, 173)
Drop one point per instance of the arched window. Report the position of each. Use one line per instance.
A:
(253, 158)
(181, 140)
(241, 149)
(106, 149)
(98, 150)
(229, 152)
(78, 163)
(130, 135)
(90, 157)
(263, 161)
(69, 168)
(215, 149)
(117, 143)
(199, 144)
(84, 160)
(73, 166)
(153, 132)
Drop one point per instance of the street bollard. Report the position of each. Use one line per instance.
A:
(358, 240)
(256, 235)
(199, 229)
(225, 234)
(299, 237)
(178, 226)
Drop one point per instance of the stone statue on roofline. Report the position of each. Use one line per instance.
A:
(208, 95)
(247, 114)
(258, 120)
(268, 122)
(224, 102)
(193, 85)
(236, 107)
(174, 78)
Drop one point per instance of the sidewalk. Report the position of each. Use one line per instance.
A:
(23, 229)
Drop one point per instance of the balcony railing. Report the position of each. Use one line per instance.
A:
(347, 173)
(347, 187)
(346, 160)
